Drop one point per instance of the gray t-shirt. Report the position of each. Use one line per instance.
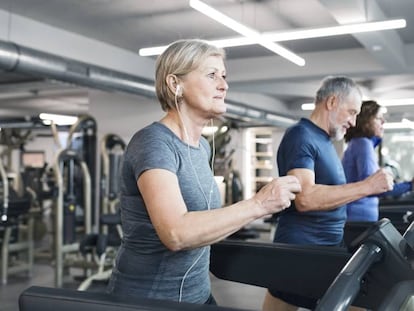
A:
(144, 266)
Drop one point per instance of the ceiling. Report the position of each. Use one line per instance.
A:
(382, 62)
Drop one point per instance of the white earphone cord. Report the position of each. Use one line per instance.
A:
(208, 201)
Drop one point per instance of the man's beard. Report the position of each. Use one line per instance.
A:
(335, 131)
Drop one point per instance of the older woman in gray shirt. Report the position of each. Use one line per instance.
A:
(170, 203)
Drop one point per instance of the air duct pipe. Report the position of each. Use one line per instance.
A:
(15, 58)
(26, 60)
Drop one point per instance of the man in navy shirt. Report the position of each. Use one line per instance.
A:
(318, 213)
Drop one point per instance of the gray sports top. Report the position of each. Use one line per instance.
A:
(144, 266)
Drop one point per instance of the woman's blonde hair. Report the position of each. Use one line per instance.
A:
(180, 58)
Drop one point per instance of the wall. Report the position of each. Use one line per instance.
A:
(115, 113)
(122, 114)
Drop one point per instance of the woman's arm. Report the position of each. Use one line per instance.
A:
(180, 229)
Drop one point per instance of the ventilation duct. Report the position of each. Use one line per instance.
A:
(15, 58)
(25, 60)
(258, 116)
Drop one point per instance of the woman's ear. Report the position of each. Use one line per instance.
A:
(173, 85)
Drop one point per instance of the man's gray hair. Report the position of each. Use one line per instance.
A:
(339, 86)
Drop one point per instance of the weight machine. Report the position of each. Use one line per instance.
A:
(75, 204)
(70, 172)
(16, 206)
(103, 246)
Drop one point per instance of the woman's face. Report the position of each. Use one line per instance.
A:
(205, 88)
(377, 124)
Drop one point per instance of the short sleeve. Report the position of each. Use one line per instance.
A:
(148, 150)
(296, 151)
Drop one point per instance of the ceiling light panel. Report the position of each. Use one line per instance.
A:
(246, 31)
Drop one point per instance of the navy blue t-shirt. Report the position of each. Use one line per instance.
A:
(305, 145)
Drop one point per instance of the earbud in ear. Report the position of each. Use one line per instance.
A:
(178, 90)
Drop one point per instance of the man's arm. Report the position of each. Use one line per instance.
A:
(314, 197)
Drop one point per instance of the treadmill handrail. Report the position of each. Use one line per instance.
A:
(409, 235)
(347, 284)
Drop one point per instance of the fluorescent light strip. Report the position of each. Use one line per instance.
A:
(396, 102)
(382, 102)
(308, 106)
(58, 119)
(402, 139)
(246, 31)
(309, 33)
(156, 50)
(335, 30)
(398, 125)
(297, 34)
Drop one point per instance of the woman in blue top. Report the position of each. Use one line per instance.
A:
(360, 160)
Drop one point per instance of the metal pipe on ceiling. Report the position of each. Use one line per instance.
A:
(16, 58)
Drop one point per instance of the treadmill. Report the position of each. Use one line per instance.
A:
(376, 263)
(375, 273)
